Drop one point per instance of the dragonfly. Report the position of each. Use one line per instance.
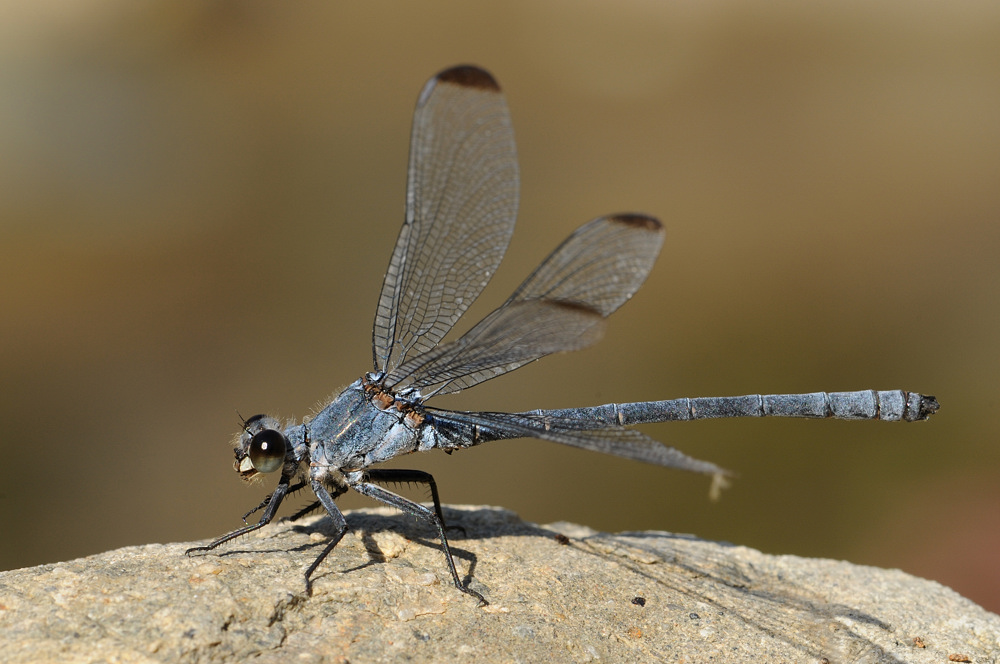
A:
(461, 203)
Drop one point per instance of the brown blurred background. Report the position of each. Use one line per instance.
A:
(197, 203)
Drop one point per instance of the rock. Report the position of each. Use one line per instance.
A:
(559, 593)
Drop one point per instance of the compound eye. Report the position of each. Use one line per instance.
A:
(267, 451)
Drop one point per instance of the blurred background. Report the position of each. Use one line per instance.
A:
(198, 201)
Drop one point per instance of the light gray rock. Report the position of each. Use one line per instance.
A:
(385, 595)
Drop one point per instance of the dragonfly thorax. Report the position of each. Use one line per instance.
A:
(364, 425)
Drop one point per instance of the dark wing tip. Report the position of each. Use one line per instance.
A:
(469, 76)
(637, 220)
(573, 305)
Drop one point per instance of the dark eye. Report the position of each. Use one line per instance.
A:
(267, 451)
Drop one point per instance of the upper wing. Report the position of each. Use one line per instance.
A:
(560, 307)
(461, 203)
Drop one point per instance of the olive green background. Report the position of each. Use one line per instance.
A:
(198, 200)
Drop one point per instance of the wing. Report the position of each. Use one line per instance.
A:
(465, 429)
(461, 203)
(560, 307)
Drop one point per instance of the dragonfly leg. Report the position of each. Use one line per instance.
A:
(267, 499)
(271, 508)
(339, 523)
(419, 511)
(403, 476)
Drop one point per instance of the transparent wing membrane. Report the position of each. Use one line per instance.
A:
(461, 203)
(561, 306)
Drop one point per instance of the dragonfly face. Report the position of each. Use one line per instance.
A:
(261, 448)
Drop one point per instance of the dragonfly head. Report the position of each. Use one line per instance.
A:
(260, 448)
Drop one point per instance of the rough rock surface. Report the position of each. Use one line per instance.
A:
(559, 593)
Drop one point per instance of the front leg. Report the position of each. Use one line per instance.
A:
(267, 499)
(273, 502)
